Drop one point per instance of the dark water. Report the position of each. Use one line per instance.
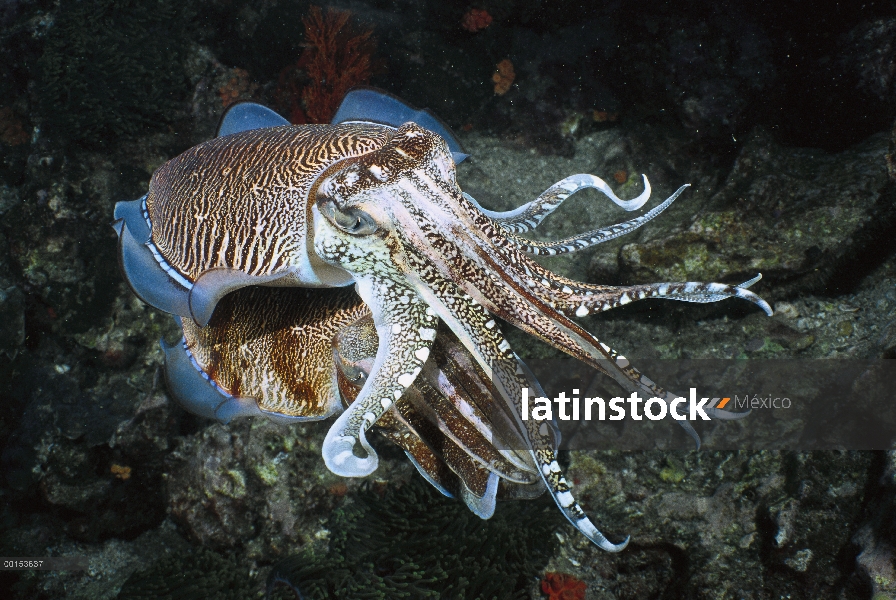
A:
(780, 116)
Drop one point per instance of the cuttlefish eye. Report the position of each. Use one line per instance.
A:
(350, 220)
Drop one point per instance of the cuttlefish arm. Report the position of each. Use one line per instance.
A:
(443, 459)
(406, 330)
(590, 238)
(528, 216)
(478, 332)
(446, 397)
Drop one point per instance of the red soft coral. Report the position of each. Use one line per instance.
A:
(476, 19)
(337, 57)
(560, 586)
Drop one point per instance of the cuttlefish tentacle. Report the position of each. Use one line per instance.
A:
(570, 296)
(477, 485)
(582, 301)
(617, 366)
(540, 316)
(605, 297)
(578, 298)
(355, 349)
(528, 216)
(591, 238)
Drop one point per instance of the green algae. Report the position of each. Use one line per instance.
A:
(674, 472)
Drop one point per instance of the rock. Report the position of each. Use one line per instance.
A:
(12, 321)
(868, 52)
(734, 526)
(258, 485)
(805, 219)
(877, 560)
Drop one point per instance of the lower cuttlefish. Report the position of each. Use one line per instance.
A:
(372, 200)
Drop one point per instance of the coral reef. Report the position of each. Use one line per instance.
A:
(198, 575)
(795, 238)
(599, 88)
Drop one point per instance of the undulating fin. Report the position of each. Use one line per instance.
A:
(147, 278)
(199, 394)
(246, 116)
(216, 283)
(130, 213)
(371, 105)
(194, 392)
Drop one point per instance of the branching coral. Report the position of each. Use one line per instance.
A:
(337, 57)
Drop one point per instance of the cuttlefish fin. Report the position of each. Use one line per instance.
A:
(198, 393)
(372, 105)
(147, 278)
(216, 283)
(195, 392)
(130, 213)
(246, 116)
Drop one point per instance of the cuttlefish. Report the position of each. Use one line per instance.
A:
(372, 201)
